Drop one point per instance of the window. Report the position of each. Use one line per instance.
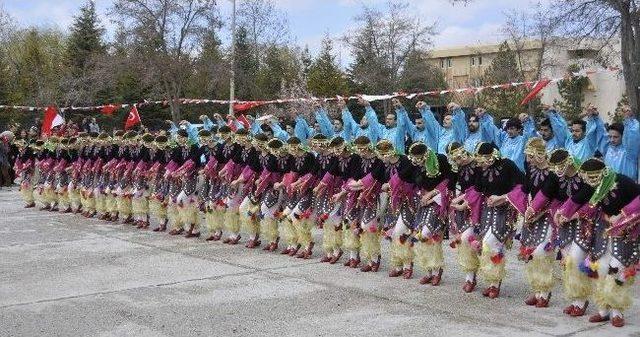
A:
(473, 61)
(449, 63)
(442, 63)
(479, 60)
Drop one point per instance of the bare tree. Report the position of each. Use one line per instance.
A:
(266, 26)
(166, 38)
(532, 26)
(383, 41)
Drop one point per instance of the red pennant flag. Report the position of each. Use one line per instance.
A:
(132, 119)
(536, 89)
(110, 109)
(51, 119)
(239, 107)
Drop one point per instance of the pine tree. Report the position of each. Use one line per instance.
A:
(280, 68)
(325, 77)
(418, 75)
(571, 89)
(306, 60)
(503, 102)
(86, 38)
(246, 67)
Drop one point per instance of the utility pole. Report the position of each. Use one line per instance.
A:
(232, 89)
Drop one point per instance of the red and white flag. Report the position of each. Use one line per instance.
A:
(51, 120)
(133, 118)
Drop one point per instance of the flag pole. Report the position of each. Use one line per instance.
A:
(233, 58)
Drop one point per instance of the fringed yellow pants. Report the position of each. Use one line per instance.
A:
(350, 240)
(214, 218)
(401, 255)
(249, 223)
(331, 238)
(27, 194)
(539, 272)
(303, 231)
(231, 221)
(369, 245)
(492, 261)
(74, 198)
(158, 209)
(140, 207)
(428, 255)
(174, 216)
(288, 232)
(269, 229)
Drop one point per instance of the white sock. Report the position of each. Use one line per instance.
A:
(353, 255)
(615, 313)
(469, 277)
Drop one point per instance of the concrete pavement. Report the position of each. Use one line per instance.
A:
(64, 275)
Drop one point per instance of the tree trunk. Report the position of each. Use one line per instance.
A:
(630, 57)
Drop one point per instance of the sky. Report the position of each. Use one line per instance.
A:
(310, 20)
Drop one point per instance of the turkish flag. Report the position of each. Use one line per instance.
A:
(51, 120)
(132, 119)
(536, 89)
(110, 109)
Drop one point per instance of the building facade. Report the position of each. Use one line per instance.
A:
(464, 66)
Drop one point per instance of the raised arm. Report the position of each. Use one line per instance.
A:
(322, 117)
(207, 124)
(302, 130)
(278, 132)
(491, 132)
(431, 125)
(559, 127)
(350, 125)
(376, 127)
(459, 125)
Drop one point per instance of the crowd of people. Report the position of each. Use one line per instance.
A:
(566, 191)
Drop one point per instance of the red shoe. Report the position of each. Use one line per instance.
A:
(325, 258)
(305, 254)
(531, 300)
(469, 286)
(577, 311)
(335, 258)
(251, 244)
(494, 292)
(569, 309)
(617, 321)
(31, 205)
(407, 273)
(226, 240)
(426, 279)
(286, 251)
(436, 279)
(176, 231)
(485, 292)
(235, 241)
(366, 268)
(354, 263)
(543, 302)
(294, 251)
(597, 318)
(395, 272)
(375, 266)
(192, 235)
(273, 246)
(347, 263)
(160, 229)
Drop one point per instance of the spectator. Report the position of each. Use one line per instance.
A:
(86, 125)
(93, 126)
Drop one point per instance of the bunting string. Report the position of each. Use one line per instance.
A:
(240, 105)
